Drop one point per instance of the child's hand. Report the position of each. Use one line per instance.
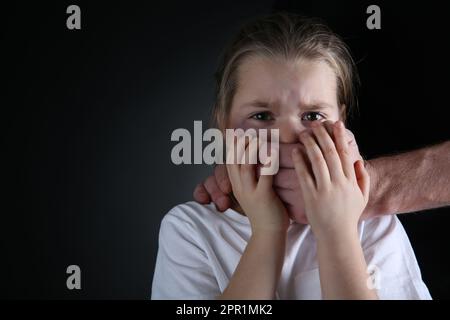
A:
(255, 195)
(334, 191)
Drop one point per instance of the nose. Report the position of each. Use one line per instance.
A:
(289, 130)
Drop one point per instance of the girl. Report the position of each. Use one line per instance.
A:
(288, 73)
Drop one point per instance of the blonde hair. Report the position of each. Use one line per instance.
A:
(289, 36)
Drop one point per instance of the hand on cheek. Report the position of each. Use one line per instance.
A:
(334, 190)
(286, 183)
(256, 196)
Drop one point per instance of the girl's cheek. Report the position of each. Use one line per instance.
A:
(240, 124)
(253, 124)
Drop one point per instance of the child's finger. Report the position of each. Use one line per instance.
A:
(233, 173)
(249, 152)
(230, 151)
(248, 167)
(240, 149)
(329, 127)
(318, 163)
(231, 161)
(329, 152)
(266, 180)
(340, 135)
(363, 179)
(304, 177)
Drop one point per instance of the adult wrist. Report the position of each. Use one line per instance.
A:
(374, 205)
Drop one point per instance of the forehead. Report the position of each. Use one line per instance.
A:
(278, 80)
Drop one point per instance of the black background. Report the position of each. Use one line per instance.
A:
(87, 117)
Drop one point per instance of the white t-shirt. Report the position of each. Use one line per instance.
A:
(199, 249)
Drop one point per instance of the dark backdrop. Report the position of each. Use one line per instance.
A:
(86, 119)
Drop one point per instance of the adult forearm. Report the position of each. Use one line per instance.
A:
(410, 181)
(258, 271)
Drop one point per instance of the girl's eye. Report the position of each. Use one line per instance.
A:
(262, 116)
(312, 116)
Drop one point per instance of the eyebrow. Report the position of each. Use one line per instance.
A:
(256, 103)
(317, 105)
(314, 105)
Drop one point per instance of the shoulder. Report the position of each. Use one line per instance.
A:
(191, 213)
(385, 242)
(197, 219)
(382, 226)
(183, 266)
(391, 259)
(181, 233)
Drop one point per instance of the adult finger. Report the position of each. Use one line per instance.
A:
(363, 179)
(343, 150)
(201, 195)
(221, 200)
(222, 179)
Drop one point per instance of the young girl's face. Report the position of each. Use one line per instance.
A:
(286, 95)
